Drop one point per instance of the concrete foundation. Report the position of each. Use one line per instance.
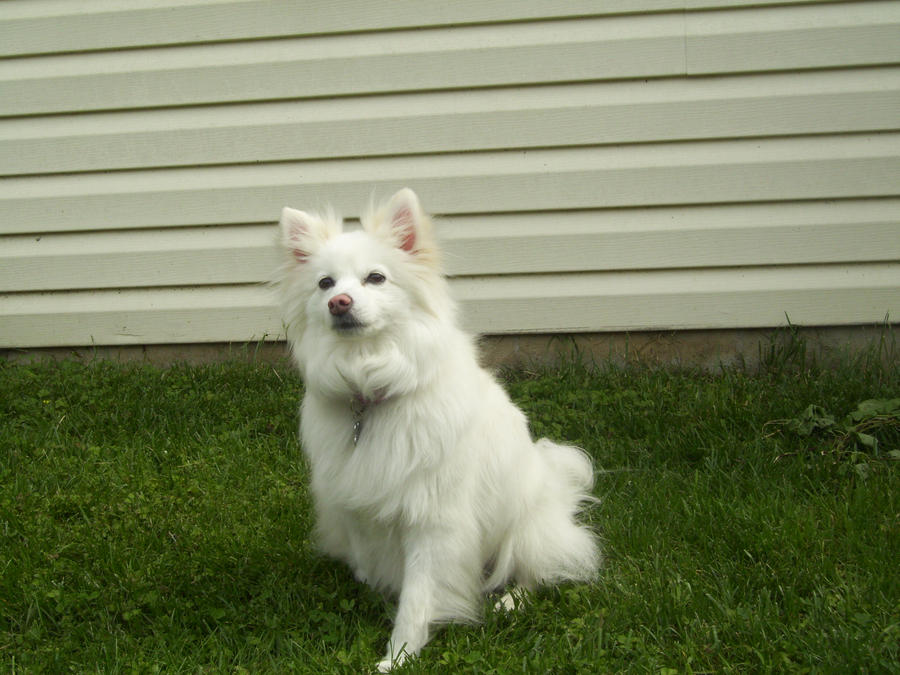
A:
(707, 349)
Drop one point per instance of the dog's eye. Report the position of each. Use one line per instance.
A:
(325, 283)
(375, 278)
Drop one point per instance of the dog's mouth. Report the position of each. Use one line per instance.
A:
(347, 324)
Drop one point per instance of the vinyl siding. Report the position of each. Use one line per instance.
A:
(651, 165)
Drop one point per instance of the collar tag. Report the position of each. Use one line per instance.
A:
(359, 405)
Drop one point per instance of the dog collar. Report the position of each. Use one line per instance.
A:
(359, 404)
(361, 401)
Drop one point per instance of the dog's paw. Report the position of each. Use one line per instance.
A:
(387, 664)
(511, 601)
(505, 604)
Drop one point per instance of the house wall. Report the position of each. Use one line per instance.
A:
(620, 166)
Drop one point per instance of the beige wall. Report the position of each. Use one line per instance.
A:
(681, 166)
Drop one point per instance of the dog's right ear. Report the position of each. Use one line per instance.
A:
(296, 227)
(303, 233)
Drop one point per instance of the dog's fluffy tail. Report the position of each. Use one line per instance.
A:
(548, 545)
(570, 464)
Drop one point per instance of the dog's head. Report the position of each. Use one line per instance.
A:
(358, 284)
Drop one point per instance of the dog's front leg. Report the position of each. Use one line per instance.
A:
(415, 610)
(420, 603)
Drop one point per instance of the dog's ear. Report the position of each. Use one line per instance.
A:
(295, 232)
(405, 216)
(303, 233)
(403, 223)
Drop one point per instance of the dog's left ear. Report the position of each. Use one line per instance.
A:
(405, 216)
(403, 223)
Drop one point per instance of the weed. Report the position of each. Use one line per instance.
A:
(870, 432)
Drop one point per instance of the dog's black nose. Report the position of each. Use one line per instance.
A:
(340, 304)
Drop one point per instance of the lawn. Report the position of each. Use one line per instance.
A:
(157, 519)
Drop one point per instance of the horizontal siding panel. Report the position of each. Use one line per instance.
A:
(758, 297)
(524, 243)
(178, 257)
(618, 47)
(673, 238)
(823, 36)
(51, 27)
(714, 172)
(682, 300)
(479, 56)
(569, 115)
(141, 24)
(231, 314)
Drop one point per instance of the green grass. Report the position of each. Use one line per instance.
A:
(158, 520)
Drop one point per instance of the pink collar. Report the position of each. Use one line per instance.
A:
(361, 401)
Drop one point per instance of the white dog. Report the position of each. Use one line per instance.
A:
(424, 476)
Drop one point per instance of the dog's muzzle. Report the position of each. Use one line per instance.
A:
(342, 318)
(339, 305)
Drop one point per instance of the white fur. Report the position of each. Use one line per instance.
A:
(445, 496)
